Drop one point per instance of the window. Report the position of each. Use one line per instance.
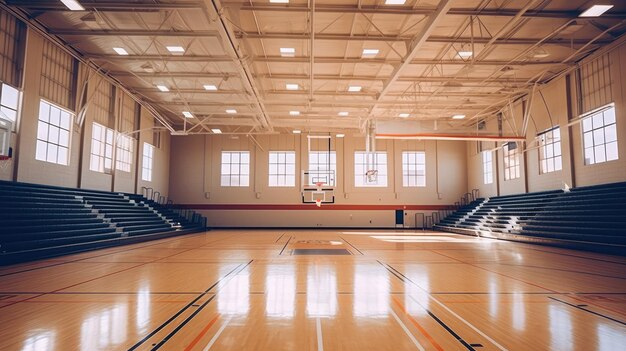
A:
(282, 171)
(53, 134)
(101, 149)
(124, 154)
(600, 136)
(487, 167)
(550, 151)
(511, 161)
(235, 168)
(379, 160)
(146, 165)
(413, 169)
(323, 167)
(9, 98)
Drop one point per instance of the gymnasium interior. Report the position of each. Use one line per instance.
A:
(312, 175)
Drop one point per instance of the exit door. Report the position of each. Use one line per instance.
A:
(400, 218)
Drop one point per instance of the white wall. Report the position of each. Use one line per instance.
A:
(195, 181)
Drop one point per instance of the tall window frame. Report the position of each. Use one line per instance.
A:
(124, 153)
(54, 134)
(599, 133)
(9, 103)
(413, 169)
(550, 153)
(147, 163)
(282, 169)
(323, 161)
(101, 157)
(235, 169)
(512, 167)
(487, 167)
(360, 167)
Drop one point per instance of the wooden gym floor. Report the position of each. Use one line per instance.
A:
(246, 290)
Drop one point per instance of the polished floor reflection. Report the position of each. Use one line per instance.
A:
(245, 290)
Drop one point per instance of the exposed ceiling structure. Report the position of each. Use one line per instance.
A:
(259, 66)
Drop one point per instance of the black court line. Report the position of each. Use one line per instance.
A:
(354, 247)
(188, 319)
(287, 243)
(589, 311)
(404, 279)
(279, 237)
(182, 310)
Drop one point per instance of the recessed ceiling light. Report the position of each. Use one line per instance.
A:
(163, 88)
(340, 135)
(369, 53)
(175, 49)
(287, 52)
(395, 2)
(294, 113)
(279, 1)
(121, 51)
(73, 5)
(187, 114)
(596, 11)
(343, 113)
(231, 111)
(459, 116)
(354, 88)
(296, 131)
(210, 87)
(216, 131)
(291, 86)
(403, 115)
(465, 54)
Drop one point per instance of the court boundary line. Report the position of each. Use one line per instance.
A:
(589, 311)
(407, 331)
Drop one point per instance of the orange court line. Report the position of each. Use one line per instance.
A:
(202, 333)
(417, 325)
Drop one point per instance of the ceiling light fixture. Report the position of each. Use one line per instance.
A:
(279, 1)
(596, 11)
(216, 131)
(459, 116)
(354, 88)
(369, 53)
(465, 54)
(231, 111)
(287, 52)
(403, 115)
(187, 114)
(175, 49)
(340, 135)
(73, 5)
(291, 86)
(121, 51)
(210, 87)
(296, 131)
(294, 113)
(343, 113)
(395, 2)
(163, 88)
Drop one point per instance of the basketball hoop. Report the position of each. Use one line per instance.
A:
(318, 202)
(319, 184)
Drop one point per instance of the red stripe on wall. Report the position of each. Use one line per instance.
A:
(312, 207)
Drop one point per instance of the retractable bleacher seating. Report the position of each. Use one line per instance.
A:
(589, 218)
(39, 221)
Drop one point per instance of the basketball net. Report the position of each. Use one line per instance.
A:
(318, 202)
